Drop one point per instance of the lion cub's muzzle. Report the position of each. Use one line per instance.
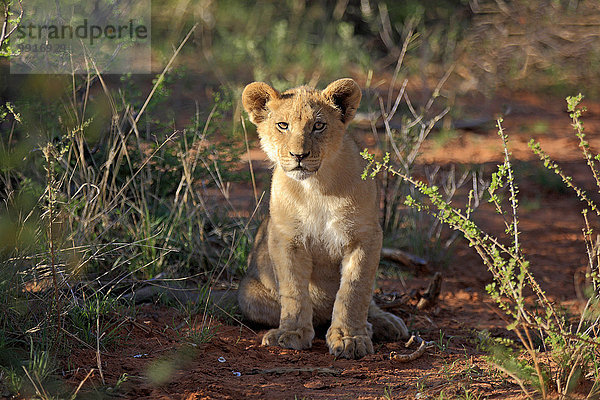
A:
(300, 166)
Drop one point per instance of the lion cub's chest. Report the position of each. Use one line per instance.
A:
(325, 222)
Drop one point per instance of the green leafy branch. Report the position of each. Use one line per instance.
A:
(572, 347)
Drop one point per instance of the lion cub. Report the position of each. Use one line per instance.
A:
(315, 257)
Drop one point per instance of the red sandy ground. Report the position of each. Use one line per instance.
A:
(552, 241)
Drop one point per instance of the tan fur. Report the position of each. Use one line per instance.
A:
(315, 257)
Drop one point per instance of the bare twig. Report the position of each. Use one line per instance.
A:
(74, 396)
(399, 64)
(415, 354)
(39, 389)
(161, 77)
(4, 32)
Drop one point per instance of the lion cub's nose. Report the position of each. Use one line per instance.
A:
(299, 157)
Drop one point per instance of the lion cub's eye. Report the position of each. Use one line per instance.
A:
(282, 125)
(319, 126)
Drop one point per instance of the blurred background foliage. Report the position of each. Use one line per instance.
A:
(297, 42)
(527, 44)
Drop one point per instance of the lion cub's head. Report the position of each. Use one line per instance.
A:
(302, 128)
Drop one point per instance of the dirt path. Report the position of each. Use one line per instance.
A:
(233, 365)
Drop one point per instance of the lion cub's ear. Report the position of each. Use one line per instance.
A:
(255, 98)
(344, 94)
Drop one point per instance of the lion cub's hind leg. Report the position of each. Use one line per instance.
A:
(258, 303)
(386, 326)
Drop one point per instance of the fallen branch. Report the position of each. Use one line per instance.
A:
(182, 295)
(403, 257)
(415, 354)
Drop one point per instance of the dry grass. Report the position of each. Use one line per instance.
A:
(106, 228)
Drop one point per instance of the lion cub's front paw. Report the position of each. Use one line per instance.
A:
(343, 343)
(297, 339)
